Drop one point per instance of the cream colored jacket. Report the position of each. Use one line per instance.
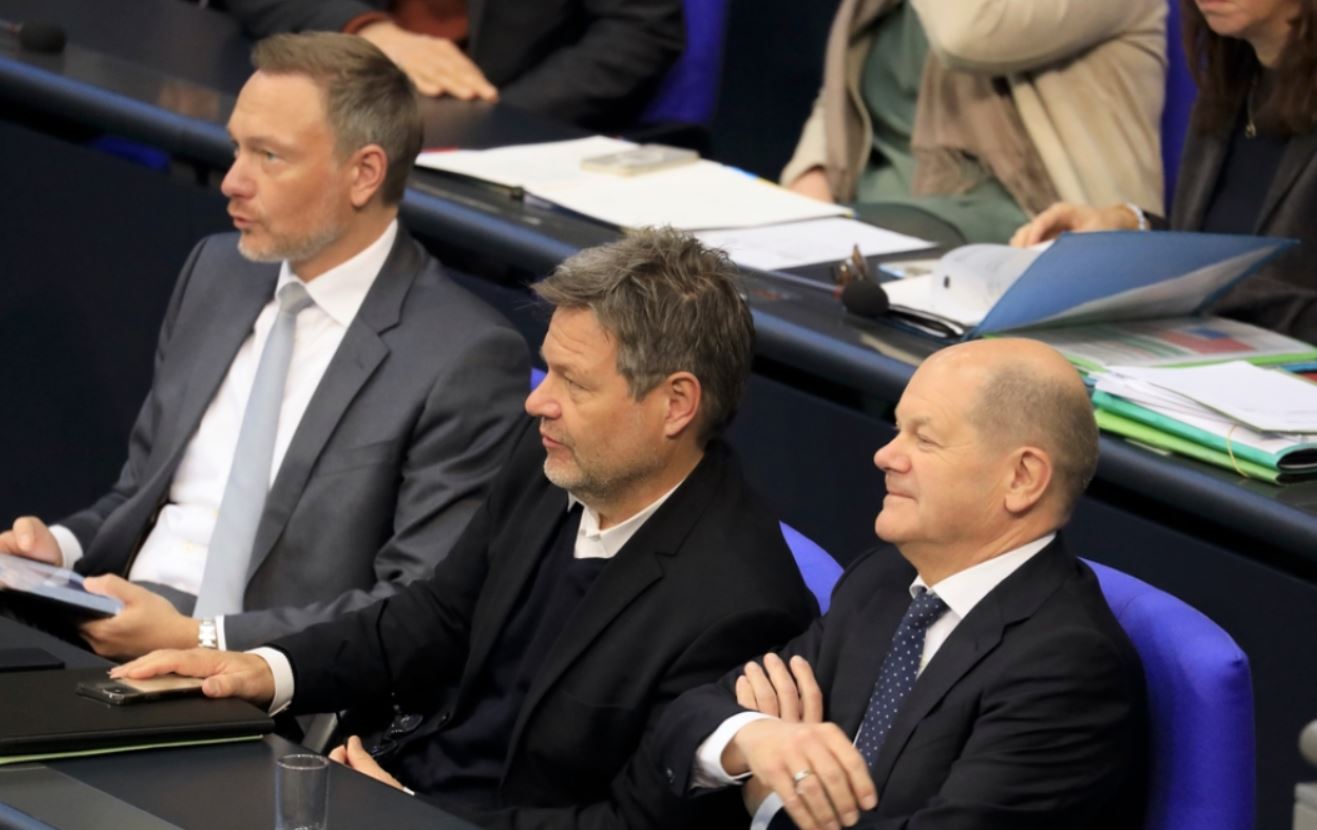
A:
(1088, 78)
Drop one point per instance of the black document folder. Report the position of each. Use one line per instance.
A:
(43, 716)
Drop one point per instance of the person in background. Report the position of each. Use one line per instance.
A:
(1250, 159)
(593, 63)
(976, 114)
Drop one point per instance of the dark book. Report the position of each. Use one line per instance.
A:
(44, 716)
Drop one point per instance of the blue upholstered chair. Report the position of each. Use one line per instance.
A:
(819, 570)
(1200, 702)
(688, 94)
(1180, 95)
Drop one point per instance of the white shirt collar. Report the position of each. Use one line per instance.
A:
(593, 543)
(340, 291)
(963, 590)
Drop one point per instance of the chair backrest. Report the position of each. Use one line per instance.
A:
(1200, 707)
(819, 570)
(1180, 95)
(688, 93)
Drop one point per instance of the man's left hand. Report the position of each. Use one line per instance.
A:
(790, 693)
(354, 756)
(147, 622)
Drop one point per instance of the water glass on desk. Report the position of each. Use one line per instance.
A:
(301, 792)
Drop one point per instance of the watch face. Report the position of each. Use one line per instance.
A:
(207, 636)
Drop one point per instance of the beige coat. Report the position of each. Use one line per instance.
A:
(1087, 77)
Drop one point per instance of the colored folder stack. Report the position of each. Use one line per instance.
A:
(1261, 423)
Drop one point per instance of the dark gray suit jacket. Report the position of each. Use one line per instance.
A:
(589, 62)
(393, 455)
(1030, 715)
(1283, 294)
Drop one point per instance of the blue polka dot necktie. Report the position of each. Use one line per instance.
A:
(900, 668)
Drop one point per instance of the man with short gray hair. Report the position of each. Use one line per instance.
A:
(971, 675)
(328, 407)
(620, 559)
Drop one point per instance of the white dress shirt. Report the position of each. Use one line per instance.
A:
(174, 551)
(591, 543)
(961, 592)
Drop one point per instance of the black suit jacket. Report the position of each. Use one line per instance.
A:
(589, 62)
(1029, 715)
(1283, 294)
(394, 453)
(705, 583)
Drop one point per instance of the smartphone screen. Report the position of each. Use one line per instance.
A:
(124, 691)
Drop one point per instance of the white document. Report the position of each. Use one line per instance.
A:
(965, 284)
(1264, 399)
(693, 197)
(776, 247)
(534, 167)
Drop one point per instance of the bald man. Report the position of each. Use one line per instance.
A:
(969, 675)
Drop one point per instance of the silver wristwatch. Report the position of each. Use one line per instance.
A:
(207, 634)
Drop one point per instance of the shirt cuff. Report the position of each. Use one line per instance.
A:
(283, 677)
(768, 808)
(70, 549)
(220, 642)
(709, 772)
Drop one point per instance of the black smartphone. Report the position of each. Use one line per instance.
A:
(124, 691)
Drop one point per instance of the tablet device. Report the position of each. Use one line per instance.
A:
(60, 585)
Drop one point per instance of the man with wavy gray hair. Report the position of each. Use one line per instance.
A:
(328, 407)
(620, 559)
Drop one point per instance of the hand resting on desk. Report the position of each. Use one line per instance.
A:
(225, 673)
(436, 65)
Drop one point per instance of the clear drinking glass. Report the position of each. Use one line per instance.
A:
(301, 792)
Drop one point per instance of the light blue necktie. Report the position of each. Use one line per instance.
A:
(225, 578)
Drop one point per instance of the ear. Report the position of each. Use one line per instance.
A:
(369, 164)
(1029, 478)
(683, 403)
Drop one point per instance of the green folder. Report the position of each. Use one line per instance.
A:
(1295, 459)
(1160, 439)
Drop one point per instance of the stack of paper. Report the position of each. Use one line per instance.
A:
(1259, 422)
(696, 196)
(777, 247)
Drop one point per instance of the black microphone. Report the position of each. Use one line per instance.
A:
(38, 37)
(865, 298)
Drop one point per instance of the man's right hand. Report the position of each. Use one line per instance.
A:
(436, 65)
(226, 673)
(814, 768)
(31, 538)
